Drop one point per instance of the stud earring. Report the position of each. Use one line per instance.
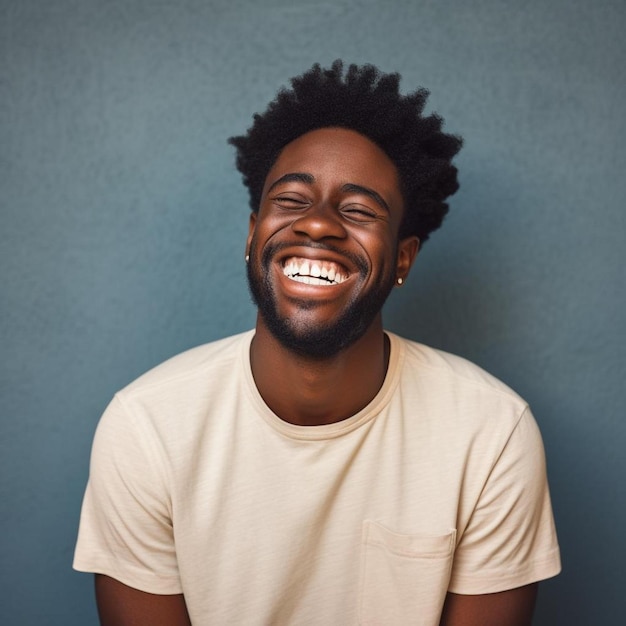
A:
(400, 281)
(247, 257)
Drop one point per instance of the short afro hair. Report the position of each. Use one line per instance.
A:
(369, 102)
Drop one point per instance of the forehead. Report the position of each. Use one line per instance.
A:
(338, 156)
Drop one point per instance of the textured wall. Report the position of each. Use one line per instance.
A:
(123, 225)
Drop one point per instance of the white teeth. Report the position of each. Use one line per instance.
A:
(313, 272)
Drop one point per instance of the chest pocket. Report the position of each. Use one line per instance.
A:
(404, 578)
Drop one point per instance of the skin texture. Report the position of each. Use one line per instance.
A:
(121, 605)
(507, 608)
(331, 196)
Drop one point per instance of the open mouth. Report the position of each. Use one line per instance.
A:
(314, 272)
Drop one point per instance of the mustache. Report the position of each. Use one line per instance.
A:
(273, 249)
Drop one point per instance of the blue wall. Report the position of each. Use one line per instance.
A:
(123, 224)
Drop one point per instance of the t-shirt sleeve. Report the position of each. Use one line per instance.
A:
(125, 527)
(510, 539)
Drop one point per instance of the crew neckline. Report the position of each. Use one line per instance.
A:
(325, 431)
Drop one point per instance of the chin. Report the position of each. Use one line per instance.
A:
(322, 340)
(314, 343)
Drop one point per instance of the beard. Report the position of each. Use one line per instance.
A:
(316, 342)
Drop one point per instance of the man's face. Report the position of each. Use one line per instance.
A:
(323, 247)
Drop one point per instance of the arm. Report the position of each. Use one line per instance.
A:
(121, 605)
(510, 542)
(126, 531)
(506, 608)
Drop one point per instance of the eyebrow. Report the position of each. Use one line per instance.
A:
(309, 179)
(366, 191)
(293, 177)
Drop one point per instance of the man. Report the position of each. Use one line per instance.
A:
(320, 470)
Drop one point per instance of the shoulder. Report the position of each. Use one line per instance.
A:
(200, 362)
(457, 394)
(175, 397)
(171, 406)
(445, 368)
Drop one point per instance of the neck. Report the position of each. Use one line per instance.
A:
(311, 392)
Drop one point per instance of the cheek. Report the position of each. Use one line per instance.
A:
(378, 247)
(270, 226)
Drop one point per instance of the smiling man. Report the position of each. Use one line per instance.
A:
(319, 470)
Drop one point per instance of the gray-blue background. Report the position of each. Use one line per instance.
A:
(123, 223)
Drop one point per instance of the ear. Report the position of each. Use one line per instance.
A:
(251, 227)
(407, 251)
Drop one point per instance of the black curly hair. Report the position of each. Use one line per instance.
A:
(369, 102)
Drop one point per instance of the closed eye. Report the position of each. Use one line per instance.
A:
(290, 202)
(360, 213)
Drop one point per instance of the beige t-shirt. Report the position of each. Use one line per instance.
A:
(197, 487)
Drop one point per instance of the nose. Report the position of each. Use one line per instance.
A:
(319, 222)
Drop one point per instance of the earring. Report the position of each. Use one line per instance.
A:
(400, 281)
(247, 257)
